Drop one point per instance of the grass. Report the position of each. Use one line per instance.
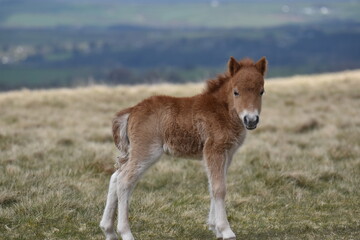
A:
(35, 77)
(180, 14)
(296, 177)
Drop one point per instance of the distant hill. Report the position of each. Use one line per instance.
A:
(56, 43)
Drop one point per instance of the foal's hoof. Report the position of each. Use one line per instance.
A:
(233, 238)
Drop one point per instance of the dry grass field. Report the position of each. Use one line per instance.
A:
(296, 177)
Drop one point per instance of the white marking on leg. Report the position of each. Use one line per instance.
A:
(107, 221)
(211, 221)
(123, 226)
(222, 224)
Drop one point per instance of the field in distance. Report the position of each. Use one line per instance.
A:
(41, 13)
(296, 177)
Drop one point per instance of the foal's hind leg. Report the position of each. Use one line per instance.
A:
(138, 163)
(107, 221)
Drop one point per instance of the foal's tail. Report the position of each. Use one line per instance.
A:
(120, 134)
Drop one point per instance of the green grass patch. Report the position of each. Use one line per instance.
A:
(201, 14)
(33, 77)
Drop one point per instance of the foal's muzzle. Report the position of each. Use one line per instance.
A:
(251, 121)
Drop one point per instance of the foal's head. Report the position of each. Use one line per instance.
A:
(247, 88)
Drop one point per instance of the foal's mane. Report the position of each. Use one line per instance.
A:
(213, 85)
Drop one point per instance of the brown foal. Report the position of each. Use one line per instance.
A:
(210, 126)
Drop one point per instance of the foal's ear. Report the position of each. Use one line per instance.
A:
(261, 65)
(233, 66)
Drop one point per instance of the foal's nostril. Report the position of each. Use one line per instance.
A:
(246, 120)
(251, 120)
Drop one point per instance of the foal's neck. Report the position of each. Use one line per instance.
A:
(224, 94)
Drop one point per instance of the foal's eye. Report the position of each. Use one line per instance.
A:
(236, 93)
(262, 92)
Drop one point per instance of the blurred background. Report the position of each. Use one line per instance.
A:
(66, 43)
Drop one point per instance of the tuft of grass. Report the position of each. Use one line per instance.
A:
(66, 142)
(309, 125)
(330, 176)
(8, 199)
(296, 177)
(299, 179)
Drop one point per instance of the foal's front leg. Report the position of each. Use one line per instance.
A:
(211, 221)
(216, 167)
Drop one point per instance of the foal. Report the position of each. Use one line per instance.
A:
(209, 126)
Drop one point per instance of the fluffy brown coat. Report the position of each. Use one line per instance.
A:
(209, 126)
